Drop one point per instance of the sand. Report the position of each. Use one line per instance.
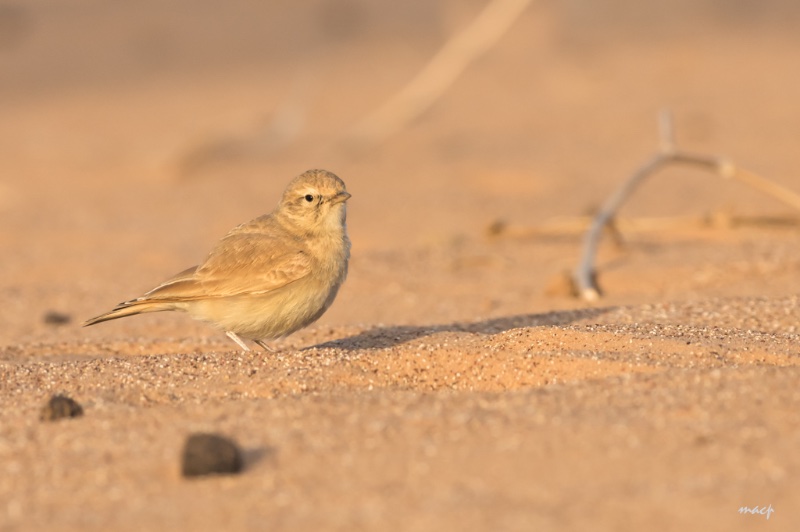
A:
(455, 384)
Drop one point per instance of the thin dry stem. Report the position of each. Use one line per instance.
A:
(440, 72)
(585, 275)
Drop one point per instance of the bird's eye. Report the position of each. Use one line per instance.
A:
(309, 198)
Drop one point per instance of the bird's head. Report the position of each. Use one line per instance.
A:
(314, 201)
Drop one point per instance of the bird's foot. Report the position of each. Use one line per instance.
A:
(264, 346)
(232, 335)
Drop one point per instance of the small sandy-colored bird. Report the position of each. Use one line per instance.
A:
(269, 277)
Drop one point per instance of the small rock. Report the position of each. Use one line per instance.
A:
(206, 454)
(496, 227)
(53, 317)
(60, 406)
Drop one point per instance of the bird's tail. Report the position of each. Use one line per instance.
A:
(129, 308)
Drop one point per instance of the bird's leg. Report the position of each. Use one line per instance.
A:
(232, 336)
(264, 346)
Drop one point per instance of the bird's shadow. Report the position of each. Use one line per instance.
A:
(384, 337)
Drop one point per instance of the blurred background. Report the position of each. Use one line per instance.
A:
(134, 135)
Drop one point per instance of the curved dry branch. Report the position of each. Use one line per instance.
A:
(585, 275)
(440, 72)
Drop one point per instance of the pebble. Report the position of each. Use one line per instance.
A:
(60, 406)
(206, 454)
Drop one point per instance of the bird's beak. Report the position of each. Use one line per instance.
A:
(341, 197)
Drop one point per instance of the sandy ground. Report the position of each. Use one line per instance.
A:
(454, 384)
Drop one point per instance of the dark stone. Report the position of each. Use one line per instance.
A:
(53, 317)
(60, 406)
(206, 454)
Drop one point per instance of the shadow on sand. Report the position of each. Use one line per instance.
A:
(383, 337)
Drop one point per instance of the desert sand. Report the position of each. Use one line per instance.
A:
(455, 384)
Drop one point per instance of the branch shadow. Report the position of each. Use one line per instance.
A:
(385, 337)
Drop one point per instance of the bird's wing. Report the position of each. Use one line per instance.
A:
(242, 263)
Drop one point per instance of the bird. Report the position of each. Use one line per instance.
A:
(268, 277)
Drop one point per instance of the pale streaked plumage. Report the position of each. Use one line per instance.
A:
(269, 277)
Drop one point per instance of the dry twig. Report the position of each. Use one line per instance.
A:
(585, 274)
(571, 226)
(441, 71)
